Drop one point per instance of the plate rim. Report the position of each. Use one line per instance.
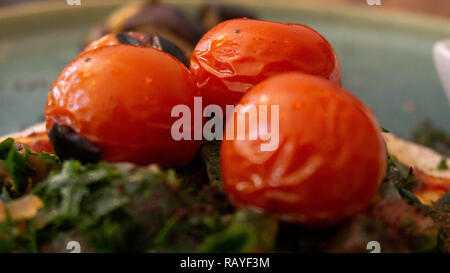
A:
(403, 19)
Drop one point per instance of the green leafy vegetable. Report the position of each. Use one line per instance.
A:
(19, 170)
(436, 138)
(248, 231)
(211, 157)
(125, 208)
(121, 208)
(402, 179)
(14, 238)
(5, 147)
(443, 164)
(443, 203)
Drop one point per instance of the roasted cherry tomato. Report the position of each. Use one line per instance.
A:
(37, 141)
(237, 54)
(329, 161)
(114, 103)
(139, 39)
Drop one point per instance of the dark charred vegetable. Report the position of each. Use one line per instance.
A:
(68, 144)
(169, 47)
(165, 21)
(213, 14)
(140, 39)
(127, 39)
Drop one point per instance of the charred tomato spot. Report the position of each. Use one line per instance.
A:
(170, 48)
(67, 144)
(152, 40)
(126, 39)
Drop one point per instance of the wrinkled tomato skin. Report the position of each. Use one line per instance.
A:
(329, 162)
(238, 54)
(120, 99)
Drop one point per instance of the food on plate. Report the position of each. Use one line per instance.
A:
(21, 169)
(139, 39)
(434, 182)
(23, 208)
(433, 137)
(34, 137)
(330, 160)
(125, 208)
(114, 103)
(410, 228)
(146, 16)
(87, 173)
(121, 207)
(431, 184)
(237, 54)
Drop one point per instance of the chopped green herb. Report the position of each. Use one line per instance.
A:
(5, 147)
(443, 203)
(19, 170)
(436, 138)
(443, 164)
(211, 157)
(138, 209)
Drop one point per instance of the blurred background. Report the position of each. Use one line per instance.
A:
(434, 7)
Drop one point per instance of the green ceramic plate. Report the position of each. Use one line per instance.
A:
(386, 57)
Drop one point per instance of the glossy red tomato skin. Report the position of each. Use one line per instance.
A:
(330, 160)
(120, 99)
(238, 54)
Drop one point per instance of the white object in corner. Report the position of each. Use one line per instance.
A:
(441, 54)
